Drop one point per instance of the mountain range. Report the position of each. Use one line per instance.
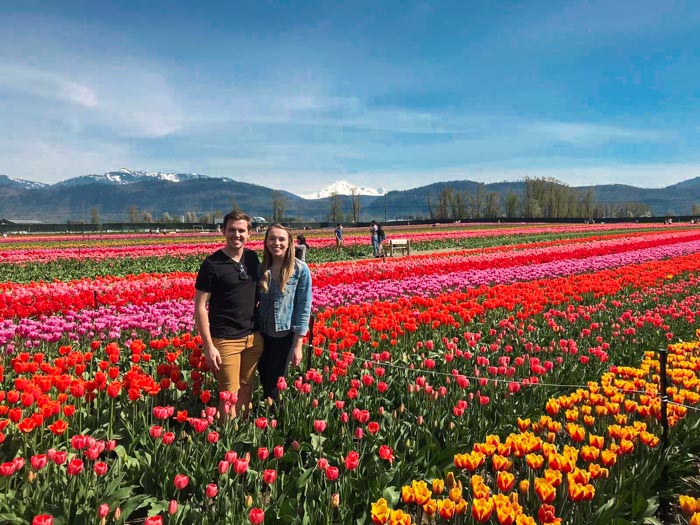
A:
(121, 195)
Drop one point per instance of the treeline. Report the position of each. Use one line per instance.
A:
(541, 198)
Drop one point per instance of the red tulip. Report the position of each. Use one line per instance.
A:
(319, 425)
(212, 490)
(386, 453)
(181, 481)
(256, 516)
(332, 473)
(100, 468)
(38, 461)
(43, 519)
(154, 520)
(75, 467)
(269, 476)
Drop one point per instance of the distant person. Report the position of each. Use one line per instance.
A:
(378, 236)
(339, 236)
(284, 308)
(374, 237)
(381, 235)
(301, 248)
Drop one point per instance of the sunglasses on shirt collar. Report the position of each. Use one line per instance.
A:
(241, 271)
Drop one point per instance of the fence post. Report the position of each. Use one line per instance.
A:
(311, 342)
(664, 504)
(663, 354)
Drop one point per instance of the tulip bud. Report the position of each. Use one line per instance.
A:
(117, 513)
(172, 507)
(249, 500)
(335, 500)
(31, 476)
(102, 511)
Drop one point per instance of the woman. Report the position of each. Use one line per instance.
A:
(284, 308)
(374, 236)
(301, 248)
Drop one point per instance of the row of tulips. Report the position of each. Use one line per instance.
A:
(185, 248)
(416, 275)
(133, 260)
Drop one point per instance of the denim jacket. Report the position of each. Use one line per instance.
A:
(293, 306)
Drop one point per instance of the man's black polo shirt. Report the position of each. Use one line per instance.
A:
(232, 300)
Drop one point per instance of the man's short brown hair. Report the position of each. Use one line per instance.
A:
(235, 215)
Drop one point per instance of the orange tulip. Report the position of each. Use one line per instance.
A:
(545, 491)
(505, 481)
(421, 492)
(534, 461)
(501, 462)
(380, 512)
(482, 509)
(430, 507)
(446, 508)
(399, 517)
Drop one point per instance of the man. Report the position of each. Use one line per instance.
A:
(339, 236)
(227, 282)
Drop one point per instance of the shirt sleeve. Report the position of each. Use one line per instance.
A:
(205, 277)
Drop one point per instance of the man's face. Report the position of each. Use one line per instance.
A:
(236, 234)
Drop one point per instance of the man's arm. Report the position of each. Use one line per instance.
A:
(201, 320)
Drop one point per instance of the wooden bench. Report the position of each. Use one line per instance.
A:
(400, 245)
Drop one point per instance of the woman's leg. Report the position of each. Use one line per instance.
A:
(274, 362)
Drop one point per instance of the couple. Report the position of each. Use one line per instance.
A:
(237, 287)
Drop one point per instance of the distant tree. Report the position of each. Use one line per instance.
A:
(190, 217)
(95, 216)
(511, 204)
(147, 217)
(355, 203)
(586, 203)
(458, 205)
(695, 210)
(166, 218)
(444, 200)
(492, 205)
(279, 204)
(133, 213)
(429, 202)
(335, 208)
(477, 201)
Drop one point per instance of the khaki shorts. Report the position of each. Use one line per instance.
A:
(239, 361)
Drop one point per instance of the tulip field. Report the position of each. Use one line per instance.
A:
(501, 374)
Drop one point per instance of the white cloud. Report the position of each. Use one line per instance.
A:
(588, 134)
(45, 84)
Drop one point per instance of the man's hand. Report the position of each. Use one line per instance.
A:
(213, 358)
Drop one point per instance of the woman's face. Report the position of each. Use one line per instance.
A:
(277, 242)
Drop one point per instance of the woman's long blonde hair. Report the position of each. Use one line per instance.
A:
(287, 264)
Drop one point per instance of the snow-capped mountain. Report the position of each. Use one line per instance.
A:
(342, 187)
(125, 176)
(20, 183)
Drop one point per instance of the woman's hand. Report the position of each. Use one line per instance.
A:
(297, 353)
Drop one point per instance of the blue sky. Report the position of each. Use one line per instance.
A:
(297, 95)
